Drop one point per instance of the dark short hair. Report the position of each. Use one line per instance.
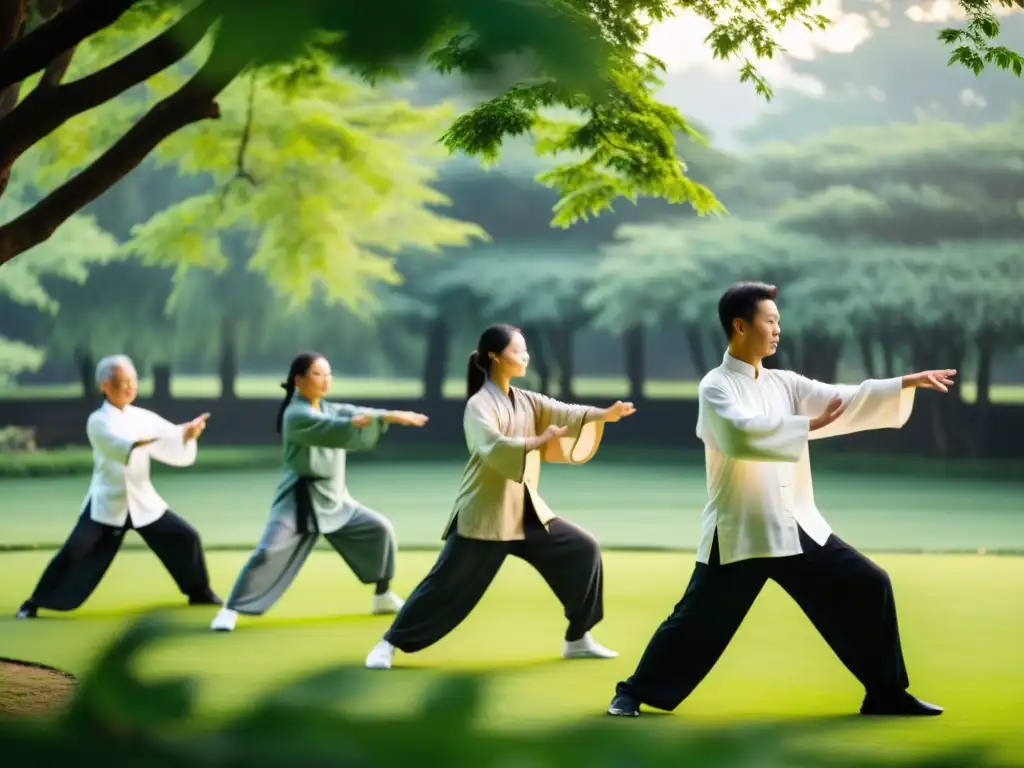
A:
(740, 301)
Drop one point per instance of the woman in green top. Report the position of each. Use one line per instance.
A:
(312, 497)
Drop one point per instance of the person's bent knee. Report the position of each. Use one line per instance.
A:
(877, 581)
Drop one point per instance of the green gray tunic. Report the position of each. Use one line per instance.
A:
(312, 498)
(316, 442)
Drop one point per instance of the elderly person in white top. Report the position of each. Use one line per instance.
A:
(121, 496)
(761, 521)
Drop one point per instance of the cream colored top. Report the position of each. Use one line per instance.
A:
(500, 472)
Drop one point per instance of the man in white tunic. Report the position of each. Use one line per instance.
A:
(761, 521)
(121, 496)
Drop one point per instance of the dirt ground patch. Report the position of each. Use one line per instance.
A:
(30, 691)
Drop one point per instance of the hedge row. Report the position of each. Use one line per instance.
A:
(79, 461)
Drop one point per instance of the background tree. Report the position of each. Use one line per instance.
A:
(584, 58)
(66, 257)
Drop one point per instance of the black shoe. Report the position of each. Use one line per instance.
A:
(624, 706)
(28, 610)
(901, 704)
(205, 598)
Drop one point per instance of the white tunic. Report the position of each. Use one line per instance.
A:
(120, 477)
(755, 428)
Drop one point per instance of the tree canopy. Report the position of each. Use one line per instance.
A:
(80, 244)
(563, 58)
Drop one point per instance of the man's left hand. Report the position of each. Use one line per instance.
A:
(195, 427)
(939, 380)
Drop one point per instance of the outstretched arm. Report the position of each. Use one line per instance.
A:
(583, 425)
(175, 444)
(873, 404)
(335, 428)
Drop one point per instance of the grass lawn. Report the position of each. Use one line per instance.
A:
(959, 637)
(960, 630)
(268, 386)
(625, 505)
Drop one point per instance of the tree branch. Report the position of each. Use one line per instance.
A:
(193, 102)
(45, 111)
(241, 173)
(13, 17)
(42, 45)
(58, 67)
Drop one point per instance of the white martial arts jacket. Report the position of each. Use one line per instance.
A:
(755, 430)
(120, 477)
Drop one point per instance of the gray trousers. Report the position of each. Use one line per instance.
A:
(366, 543)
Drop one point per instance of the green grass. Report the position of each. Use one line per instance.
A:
(959, 637)
(625, 504)
(961, 630)
(268, 386)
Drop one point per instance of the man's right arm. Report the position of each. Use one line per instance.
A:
(751, 437)
(107, 442)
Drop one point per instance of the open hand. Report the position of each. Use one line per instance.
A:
(938, 380)
(406, 418)
(194, 428)
(835, 408)
(554, 431)
(618, 410)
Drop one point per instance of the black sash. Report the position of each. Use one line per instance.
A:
(305, 516)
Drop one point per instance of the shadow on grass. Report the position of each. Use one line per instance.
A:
(116, 718)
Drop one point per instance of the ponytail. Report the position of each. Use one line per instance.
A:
(492, 342)
(475, 374)
(289, 390)
(300, 367)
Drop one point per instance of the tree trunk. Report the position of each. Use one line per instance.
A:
(162, 382)
(946, 412)
(821, 355)
(228, 357)
(986, 353)
(978, 422)
(86, 372)
(694, 336)
(435, 363)
(888, 343)
(562, 338)
(867, 354)
(634, 349)
(539, 357)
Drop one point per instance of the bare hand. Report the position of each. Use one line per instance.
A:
(835, 408)
(195, 428)
(552, 432)
(938, 380)
(618, 410)
(406, 418)
(362, 420)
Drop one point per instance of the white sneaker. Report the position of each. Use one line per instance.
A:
(389, 602)
(587, 648)
(381, 655)
(224, 621)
